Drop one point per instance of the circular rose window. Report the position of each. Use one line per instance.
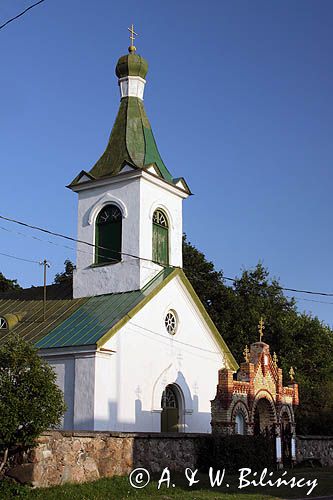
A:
(171, 322)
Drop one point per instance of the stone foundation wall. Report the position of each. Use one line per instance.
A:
(316, 448)
(86, 456)
(62, 456)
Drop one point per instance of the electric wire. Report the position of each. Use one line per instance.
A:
(59, 235)
(20, 14)
(70, 238)
(19, 258)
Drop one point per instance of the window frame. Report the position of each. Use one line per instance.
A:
(165, 229)
(97, 237)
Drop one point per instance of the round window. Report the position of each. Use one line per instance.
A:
(171, 322)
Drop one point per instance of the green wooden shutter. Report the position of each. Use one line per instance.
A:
(160, 238)
(108, 235)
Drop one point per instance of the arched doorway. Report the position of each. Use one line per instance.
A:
(171, 404)
(286, 439)
(263, 418)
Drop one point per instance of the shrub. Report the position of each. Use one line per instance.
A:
(30, 400)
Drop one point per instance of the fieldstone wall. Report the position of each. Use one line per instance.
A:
(63, 456)
(319, 448)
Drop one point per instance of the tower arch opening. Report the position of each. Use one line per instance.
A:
(160, 238)
(108, 235)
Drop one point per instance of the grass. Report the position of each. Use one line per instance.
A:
(119, 488)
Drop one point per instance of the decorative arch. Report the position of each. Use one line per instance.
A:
(171, 375)
(286, 410)
(160, 237)
(264, 394)
(108, 235)
(240, 407)
(156, 205)
(240, 412)
(107, 199)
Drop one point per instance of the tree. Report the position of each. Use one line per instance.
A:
(67, 275)
(30, 400)
(7, 285)
(300, 340)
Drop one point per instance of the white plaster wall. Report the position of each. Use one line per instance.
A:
(137, 197)
(132, 86)
(148, 358)
(64, 369)
(105, 391)
(153, 196)
(125, 275)
(84, 393)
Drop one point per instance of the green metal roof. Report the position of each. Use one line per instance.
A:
(131, 65)
(97, 316)
(23, 310)
(131, 141)
(87, 321)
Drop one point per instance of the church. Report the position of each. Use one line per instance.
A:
(132, 345)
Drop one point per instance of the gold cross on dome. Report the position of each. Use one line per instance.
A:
(261, 328)
(132, 35)
(292, 373)
(246, 354)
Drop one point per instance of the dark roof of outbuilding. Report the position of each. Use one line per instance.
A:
(23, 310)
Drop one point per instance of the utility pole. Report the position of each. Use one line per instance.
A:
(45, 264)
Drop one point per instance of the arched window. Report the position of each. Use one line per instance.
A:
(108, 235)
(239, 424)
(160, 238)
(3, 324)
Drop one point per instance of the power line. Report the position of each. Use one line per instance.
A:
(59, 235)
(227, 278)
(21, 14)
(63, 246)
(309, 300)
(19, 258)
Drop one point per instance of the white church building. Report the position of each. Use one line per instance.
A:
(132, 345)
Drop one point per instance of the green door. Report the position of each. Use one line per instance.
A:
(170, 411)
(160, 238)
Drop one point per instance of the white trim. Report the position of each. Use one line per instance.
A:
(159, 181)
(132, 86)
(155, 206)
(106, 200)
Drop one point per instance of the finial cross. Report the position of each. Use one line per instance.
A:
(132, 34)
(261, 328)
(246, 354)
(275, 360)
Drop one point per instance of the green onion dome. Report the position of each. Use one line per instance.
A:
(131, 65)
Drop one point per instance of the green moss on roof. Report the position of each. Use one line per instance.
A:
(131, 65)
(27, 305)
(131, 141)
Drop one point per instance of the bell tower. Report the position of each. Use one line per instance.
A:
(129, 205)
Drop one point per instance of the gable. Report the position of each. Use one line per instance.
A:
(264, 381)
(195, 329)
(95, 320)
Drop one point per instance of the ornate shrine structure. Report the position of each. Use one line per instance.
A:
(254, 400)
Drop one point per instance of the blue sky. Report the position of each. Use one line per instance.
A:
(239, 95)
